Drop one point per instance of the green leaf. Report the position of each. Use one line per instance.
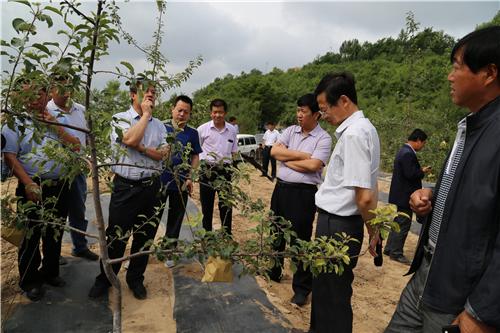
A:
(53, 9)
(17, 22)
(47, 19)
(128, 65)
(16, 42)
(42, 48)
(24, 2)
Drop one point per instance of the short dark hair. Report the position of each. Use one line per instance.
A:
(232, 118)
(270, 122)
(310, 101)
(184, 99)
(217, 103)
(480, 48)
(417, 135)
(335, 85)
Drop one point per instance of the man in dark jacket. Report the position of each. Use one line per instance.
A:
(457, 262)
(406, 179)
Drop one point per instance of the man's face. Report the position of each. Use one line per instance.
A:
(218, 114)
(271, 127)
(61, 93)
(420, 145)
(149, 94)
(36, 102)
(465, 86)
(331, 113)
(305, 117)
(181, 113)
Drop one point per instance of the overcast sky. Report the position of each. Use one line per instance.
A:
(238, 36)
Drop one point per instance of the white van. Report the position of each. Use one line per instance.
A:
(247, 144)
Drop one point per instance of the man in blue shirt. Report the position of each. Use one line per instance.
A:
(177, 184)
(39, 179)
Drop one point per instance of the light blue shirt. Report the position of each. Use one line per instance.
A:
(154, 136)
(75, 117)
(31, 154)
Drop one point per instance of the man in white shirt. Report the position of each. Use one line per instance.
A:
(345, 197)
(269, 139)
(219, 144)
(71, 113)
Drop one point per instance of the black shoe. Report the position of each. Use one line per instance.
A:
(401, 259)
(98, 291)
(139, 292)
(35, 294)
(299, 299)
(263, 175)
(55, 281)
(86, 254)
(62, 261)
(387, 252)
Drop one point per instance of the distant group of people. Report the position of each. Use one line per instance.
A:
(457, 261)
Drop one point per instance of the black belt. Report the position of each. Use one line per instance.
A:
(322, 211)
(296, 185)
(135, 182)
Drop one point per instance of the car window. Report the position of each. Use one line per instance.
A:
(247, 141)
(240, 142)
(252, 141)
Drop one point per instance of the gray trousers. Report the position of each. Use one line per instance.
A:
(410, 317)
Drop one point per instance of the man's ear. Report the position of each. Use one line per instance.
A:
(491, 71)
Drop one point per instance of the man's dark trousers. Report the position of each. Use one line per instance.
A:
(29, 257)
(294, 202)
(396, 240)
(266, 157)
(208, 185)
(177, 201)
(331, 310)
(131, 198)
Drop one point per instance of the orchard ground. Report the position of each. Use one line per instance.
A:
(376, 289)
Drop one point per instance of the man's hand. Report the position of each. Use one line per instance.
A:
(45, 115)
(468, 324)
(164, 150)
(189, 186)
(147, 106)
(420, 201)
(33, 192)
(426, 169)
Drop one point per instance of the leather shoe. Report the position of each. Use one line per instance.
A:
(387, 253)
(35, 294)
(299, 299)
(55, 281)
(86, 254)
(98, 291)
(401, 259)
(139, 291)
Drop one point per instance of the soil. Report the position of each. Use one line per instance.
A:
(376, 289)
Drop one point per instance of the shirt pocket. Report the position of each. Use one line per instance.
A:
(229, 146)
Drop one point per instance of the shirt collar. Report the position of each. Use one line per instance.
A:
(348, 122)
(134, 115)
(409, 145)
(212, 125)
(52, 103)
(316, 130)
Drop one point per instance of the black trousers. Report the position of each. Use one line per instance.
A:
(294, 202)
(209, 178)
(266, 157)
(29, 258)
(396, 240)
(177, 201)
(331, 310)
(129, 200)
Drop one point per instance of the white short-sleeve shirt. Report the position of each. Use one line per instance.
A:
(354, 163)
